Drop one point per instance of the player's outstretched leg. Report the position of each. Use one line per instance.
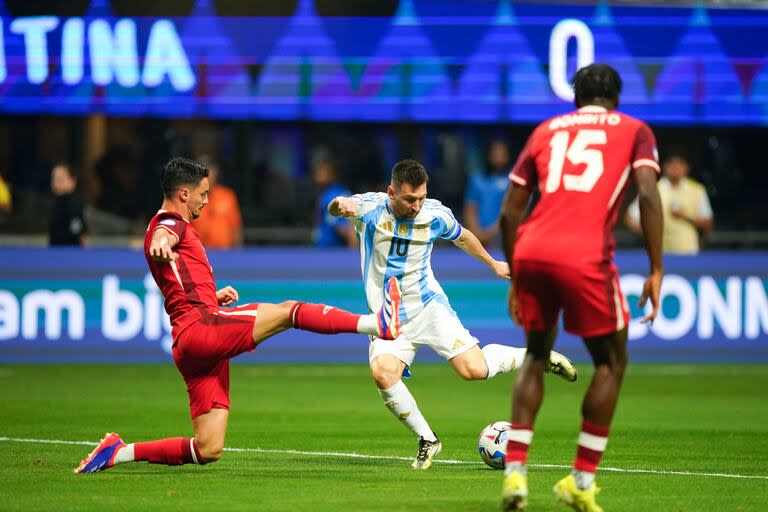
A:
(385, 324)
(210, 429)
(609, 353)
(112, 451)
(494, 359)
(561, 366)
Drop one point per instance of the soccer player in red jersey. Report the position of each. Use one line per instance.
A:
(562, 259)
(207, 334)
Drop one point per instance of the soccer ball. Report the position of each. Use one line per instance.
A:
(492, 444)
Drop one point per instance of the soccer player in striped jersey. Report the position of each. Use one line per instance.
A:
(397, 231)
(562, 259)
(207, 333)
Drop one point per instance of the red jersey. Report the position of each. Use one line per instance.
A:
(580, 163)
(186, 283)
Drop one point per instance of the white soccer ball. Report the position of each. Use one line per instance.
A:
(492, 444)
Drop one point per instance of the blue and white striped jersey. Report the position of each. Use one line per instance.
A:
(401, 248)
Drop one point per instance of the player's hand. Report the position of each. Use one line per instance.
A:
(501, 268)
(514, 313)
(345, 207)
(162, 252)
(651, 290)
(226, 296)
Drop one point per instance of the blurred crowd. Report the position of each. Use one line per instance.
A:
(272, 184)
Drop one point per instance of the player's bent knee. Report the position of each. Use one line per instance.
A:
(474, 372)
(211, 453)
(385, 375)
(385, 380)
(286, 307)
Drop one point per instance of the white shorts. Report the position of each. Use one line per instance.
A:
(437, 326)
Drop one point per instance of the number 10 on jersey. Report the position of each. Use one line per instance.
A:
(399, 246)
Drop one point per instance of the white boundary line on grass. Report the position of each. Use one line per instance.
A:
(395, 457)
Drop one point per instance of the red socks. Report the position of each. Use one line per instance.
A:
(592, 442)
(323, 319)
(173, 451)
(518, 440)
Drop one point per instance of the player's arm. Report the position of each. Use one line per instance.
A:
(512, 210)
(468, 242)
(162, 244)
(652, 223)
(342, 206)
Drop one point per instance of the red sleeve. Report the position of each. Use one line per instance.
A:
(524, 172)
(644, 152)
(173, 224)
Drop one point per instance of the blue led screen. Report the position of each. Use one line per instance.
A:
(430, 61)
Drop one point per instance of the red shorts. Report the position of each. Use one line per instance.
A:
(590, 298)
(202, 352)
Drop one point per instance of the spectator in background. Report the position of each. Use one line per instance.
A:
(687, 213)
(220, 225)
(485, 192)
(330, 231)
(6, 203)
(122, 193)
(67, 225)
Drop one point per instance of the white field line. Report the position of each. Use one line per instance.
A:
(394, 457)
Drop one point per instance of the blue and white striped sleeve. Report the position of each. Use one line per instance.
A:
(365, 203)
(451, 228)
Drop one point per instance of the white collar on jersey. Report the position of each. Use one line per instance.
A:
(166, 211)
(593, 108)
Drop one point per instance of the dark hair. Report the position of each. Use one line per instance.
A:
(181, 171)
(596, 81)
(675, 151)
(207, 161)
(410, 172)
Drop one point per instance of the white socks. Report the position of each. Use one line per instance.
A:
(368, 324)
(402, 404)
(124, 454)
(584, 479)
(502, 359)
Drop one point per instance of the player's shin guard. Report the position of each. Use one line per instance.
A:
(519, 438)
(400, 401)
(323, 319)
(502, 359)
(173, 451)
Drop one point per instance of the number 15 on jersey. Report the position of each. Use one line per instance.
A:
(578, 151)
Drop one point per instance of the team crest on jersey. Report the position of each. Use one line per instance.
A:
(402, 229)
(420, 233)
(167, 222)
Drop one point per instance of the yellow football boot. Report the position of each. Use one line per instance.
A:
(514, 491)
(582, 500)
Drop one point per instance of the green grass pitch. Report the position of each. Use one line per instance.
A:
(697, 419)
